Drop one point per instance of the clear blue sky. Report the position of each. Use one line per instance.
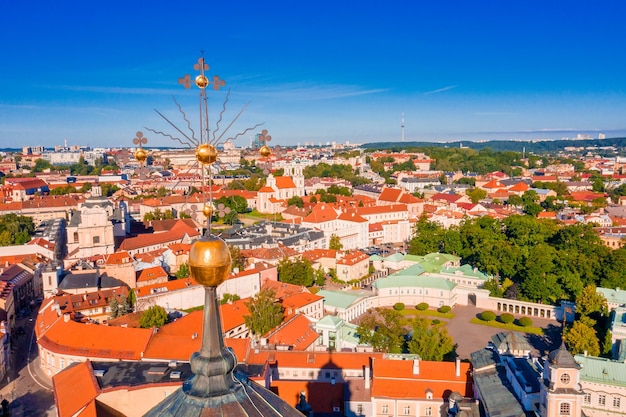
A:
(317, 71)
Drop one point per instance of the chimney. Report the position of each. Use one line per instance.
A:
(416, 366)
(66, 317)
(368, 376)
(457, 367)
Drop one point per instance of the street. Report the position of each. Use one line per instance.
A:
(29, 393)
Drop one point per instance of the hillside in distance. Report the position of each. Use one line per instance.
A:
(544, 146)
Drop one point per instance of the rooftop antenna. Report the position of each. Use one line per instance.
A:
(402, 126)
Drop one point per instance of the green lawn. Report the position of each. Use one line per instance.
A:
(258, 216)
(431, 313)
(511, 326)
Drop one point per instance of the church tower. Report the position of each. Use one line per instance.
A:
(561, 393)
(295, 171)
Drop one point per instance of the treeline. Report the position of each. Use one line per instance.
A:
(531, 259)
(545, 146)
(324, 170)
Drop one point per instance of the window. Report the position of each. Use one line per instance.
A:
(616, 402)
(96, 239)
(564, 409)
(587, 399)
(428, 411)
(602, 399)
(385, 409)
(565, 378)
(359, 409)
(407, 409)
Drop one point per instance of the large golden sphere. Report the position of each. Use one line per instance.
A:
(141, 155)
(206, 154)
(209, 261)
(202, 81)
(265, 151)
(207, 210)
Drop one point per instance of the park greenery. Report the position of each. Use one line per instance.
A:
(590, 331)
(15, 229)
(529, 259)
(387, 330)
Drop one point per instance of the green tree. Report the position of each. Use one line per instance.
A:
(41, 165)
(383, 330)
(591, 301)
(237, 259)
(183, 271)
(264, 313)
(607, 344)
(476, 194)
(515, 200)
(320, 276)
(335, 242)
(108, 189)
(296, 271)
(430, 342)
(15, 229)
(580, 338)
(296, 200)
(155, 316)
(119, 307)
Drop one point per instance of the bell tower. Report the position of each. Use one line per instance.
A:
(561, 393)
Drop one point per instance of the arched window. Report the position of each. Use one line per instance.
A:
(564, 409)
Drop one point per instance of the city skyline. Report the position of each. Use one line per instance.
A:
(94, 73)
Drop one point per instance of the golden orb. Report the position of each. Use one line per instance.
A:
(141, 155)
(202, 81)
(209, 261)
(265, 151)
(207, 210)
(206, 154)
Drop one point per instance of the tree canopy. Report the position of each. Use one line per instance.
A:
(541, 259)
(265, 312)
(15, 230)
(155, 316)
(430, 342)
(296, 271)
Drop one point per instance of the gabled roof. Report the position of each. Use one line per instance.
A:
(177, 233)
(149, 274)
(284, 182)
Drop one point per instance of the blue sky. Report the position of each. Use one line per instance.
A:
(313, 71)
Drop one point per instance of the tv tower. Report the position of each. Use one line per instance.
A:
(402, 126)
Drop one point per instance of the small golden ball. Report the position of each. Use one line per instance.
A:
(141, 155)
(202, 81)
(206, 154)
(207, 210)
(265, 151)
(209, 261)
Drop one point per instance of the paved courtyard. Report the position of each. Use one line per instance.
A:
(471, 337)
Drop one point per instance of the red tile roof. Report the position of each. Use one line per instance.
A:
(80, 389)
(296, 333)
(395, 379)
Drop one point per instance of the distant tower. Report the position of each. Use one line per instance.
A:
(402, 126)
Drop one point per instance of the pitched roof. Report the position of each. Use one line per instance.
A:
(151, 273)
(390, 194)
(321, 213)
(284, 182)
(107, 342)
(395, 379)
(296, 333)
(80, 388)
(178, 231)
